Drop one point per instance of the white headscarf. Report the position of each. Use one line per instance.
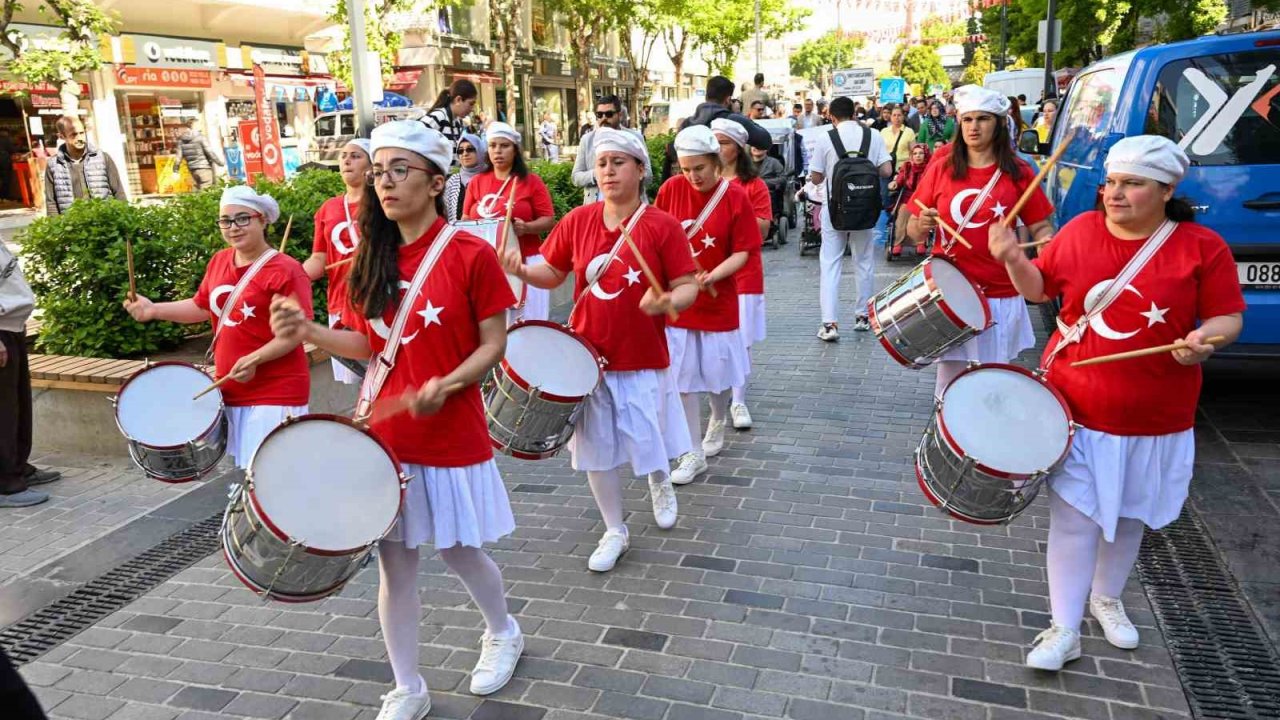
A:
(696, 140)
(501, 130)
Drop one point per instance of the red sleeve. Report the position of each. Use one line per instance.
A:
(1219, 291)
(469, 198)
(901, 177)
(299, 286)
(353, 320)
(490, 292)
(674, 250)
(1037, 207)
(541, 198)
(557, 251)
(761, 203)
(318, 244)
(663, 200)
(928, 189)
(744, 230)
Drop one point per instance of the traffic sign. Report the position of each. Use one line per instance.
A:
(893, 90)
(854, 81)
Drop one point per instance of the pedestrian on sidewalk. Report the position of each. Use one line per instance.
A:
(1142, 257)
(448, 114)
(17, 476)
(78, 170)
(194, 150)
(549, 137)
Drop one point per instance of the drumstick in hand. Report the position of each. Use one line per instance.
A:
(506, 222)
(340, 263)
(1035, 244)
(209, 389)
(1012, 217)
(284, 242)
(386, 408)
(1216, 339)
(943, 224)
(698, 266)
(128, 254)
(648, 271)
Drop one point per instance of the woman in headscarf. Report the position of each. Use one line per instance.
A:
(904, 184)
(937, 128)
(1132, 456)
(473, 159)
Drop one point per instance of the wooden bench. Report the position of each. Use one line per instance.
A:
(33, 327)
(65, 372)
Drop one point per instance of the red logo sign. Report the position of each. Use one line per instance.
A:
(251, 145)
(268, 130)
(163, 77)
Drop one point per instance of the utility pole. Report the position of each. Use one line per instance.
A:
(1004, 32)
(1050, 87)
(757, 36)
(360, 71)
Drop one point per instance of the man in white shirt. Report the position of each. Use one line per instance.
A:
(810, 118)
(822, 161)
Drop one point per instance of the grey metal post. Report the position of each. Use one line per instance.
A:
(1050, 87)
(360, 79)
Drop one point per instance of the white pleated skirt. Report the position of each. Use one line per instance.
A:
(634, 417)
(751, 319)
(537, 302)
(247, 425)
(447, 506)
(341, 373)
(1009, 334)
(1144, 477)
(704, 361)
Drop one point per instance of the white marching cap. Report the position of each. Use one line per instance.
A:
(1149, 156)
(415, 137)
(696, 140)
(972, 98)
(245, 196)
(610, 140)
(730, 129)
(501, 130)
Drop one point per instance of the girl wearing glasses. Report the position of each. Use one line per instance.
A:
(456, 331)
(473, 157)
(487, 197)
(271, 375)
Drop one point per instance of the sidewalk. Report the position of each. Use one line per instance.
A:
(808, 579)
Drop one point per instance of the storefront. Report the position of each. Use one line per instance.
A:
(553, 92)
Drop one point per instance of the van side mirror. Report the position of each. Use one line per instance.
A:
(1029, 142)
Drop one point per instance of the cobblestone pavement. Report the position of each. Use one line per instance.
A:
(807, 579)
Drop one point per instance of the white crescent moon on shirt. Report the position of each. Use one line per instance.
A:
(336, 236)
(595, 269)
(957, 210)
(692, 246)
(381, 328)
(488, 206)
(216, 305)
(1098, 324)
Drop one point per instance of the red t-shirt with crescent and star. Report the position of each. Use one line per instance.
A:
(730, 228)
(750, 279)
(485, 201)
(247, 327)
(1190, 279)
(466, 286)
(337, 234)
(609, 317)
(953, 198)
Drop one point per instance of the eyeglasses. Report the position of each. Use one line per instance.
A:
(606, 115)
(242, 220)
(397, 173)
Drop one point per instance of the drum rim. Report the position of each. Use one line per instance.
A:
(1004, 474)
(285, 537)
(874, 317)
(963, 517)
(222, 405)
(553, 397)
(522, 454)
(942, 300)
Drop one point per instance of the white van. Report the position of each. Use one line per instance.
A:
(1029, 82)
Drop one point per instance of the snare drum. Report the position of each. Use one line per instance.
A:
(171, 437)
(319, 492)
(532, 397)
(927, 312)
(996, 435)
(488, 230)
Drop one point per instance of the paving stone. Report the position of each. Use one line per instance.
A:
(754, 599)
(259, 705)
(497, 710)
(147, 690)
(86, 707)
(675, 689)
(634, 639)
(202, 698)
(621, 705)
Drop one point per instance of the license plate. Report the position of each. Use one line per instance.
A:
(1259, 274)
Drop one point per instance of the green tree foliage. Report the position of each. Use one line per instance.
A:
(920, 65)
(381, 35)
(978, 68)
(77, 47)
(815, 59)
(588, 23)
(721, 28)
(939, 32)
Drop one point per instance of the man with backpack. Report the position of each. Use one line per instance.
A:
(850, 160)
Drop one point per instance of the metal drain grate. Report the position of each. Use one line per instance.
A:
(1227, 666)
(62, 619)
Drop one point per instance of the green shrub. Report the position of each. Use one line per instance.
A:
(301, 198)
(558, 177)
(658, 157)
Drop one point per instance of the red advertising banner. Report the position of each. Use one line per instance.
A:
(128, 75)
(251, 146)
(268, 129)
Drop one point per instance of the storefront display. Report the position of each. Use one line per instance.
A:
(152, 124)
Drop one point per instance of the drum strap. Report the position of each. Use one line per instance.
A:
(1075, 332)
(617, 247)
(947, 239)
(234, 298)
(381, 365)
(710, 207)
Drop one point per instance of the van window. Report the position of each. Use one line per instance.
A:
(348, 124)
(1221, 109)
(324, 126)
(1093, 100)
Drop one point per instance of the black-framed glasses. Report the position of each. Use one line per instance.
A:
(606, 115)
(397, 173)
(241, 220)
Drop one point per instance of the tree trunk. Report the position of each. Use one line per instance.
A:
(501, 15)
(581, 46)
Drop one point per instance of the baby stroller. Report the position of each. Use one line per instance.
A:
(786, 149)
(811, 197)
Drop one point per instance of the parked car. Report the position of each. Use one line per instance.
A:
(332, 130)
(1218, 97)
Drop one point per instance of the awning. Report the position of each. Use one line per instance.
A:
(404, 80)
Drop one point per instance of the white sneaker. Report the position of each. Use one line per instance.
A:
(861, 323)
(691, 465)
(608, 550)
(1115, 623)
(741, 416)
(1054, 648)
(713, 441)
(402, 704)
(828, 332)
(665, 507)
(498, 657)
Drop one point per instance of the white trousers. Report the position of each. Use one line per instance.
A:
(537, 302)
(831, 259)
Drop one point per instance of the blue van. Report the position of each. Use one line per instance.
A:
(1218, 97)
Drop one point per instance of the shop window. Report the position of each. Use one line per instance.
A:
(543, 32)
(152, 124)
(324, 125)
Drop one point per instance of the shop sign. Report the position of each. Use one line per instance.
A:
(14, 86)
(156, 51)
(251, 145)
(277, 61)
(34, 37)
(242, 109)
(129, 75)
(268, 131)
(46, 101)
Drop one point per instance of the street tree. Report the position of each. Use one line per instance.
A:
(504, 26)
(588, 23)
(920, 65)
(385, 22)
(815, 59)
(56, 62)
(721, 28)
(978, 69)
(647, 20)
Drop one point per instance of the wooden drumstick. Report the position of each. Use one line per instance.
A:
(698, 266)
(340, 263)
(648, 271)
(1216, 339)
(386, 408)
(284, 242)
(128, 254)
(506, 222)
(1035, 244)
(209, 389)
(954, 233)
(1012, 217)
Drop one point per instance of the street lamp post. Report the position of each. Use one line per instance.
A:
(1004, 32)
(1049, 43)
(360, 71)
(757, 36)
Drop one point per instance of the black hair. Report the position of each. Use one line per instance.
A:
(518, 166)
(610, 100)
(1006, 159)
(460, 88)
(374, 282)
(744, 168)
(719, 89)
(759, 78)
(841, 108)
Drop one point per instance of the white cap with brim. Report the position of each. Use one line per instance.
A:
(972, 98)
(730, 129)
(501, 130)
(1150, 156)
(696, 140)
(244, 196)
(415, 137)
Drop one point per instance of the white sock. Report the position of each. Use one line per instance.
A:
(740, 394)
(606, 486)
(1073, 552)
(400, 611)
(483, 580)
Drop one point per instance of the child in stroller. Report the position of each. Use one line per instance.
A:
(900, 189)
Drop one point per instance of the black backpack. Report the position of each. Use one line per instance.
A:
(854, 202)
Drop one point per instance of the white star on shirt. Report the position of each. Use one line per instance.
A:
(632, 275)
(708, 241)
(246, 311)
(1154, 315)
(431, 314)
(998, 210)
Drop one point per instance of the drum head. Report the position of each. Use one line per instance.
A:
(326, 484)
(1006, 420)
(551, 359)
(155, 406)
(959, 294)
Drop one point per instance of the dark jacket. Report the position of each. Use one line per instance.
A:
(703, 115)
(195, 151)
(773, 173)
(98, 176)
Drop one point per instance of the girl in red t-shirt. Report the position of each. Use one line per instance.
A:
(707, 353)
(634, 417)
(337, 235)
(455, 333)
(957, 185)
(487, 196)
(739, 168)
(1131, 460)
(271, 378)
